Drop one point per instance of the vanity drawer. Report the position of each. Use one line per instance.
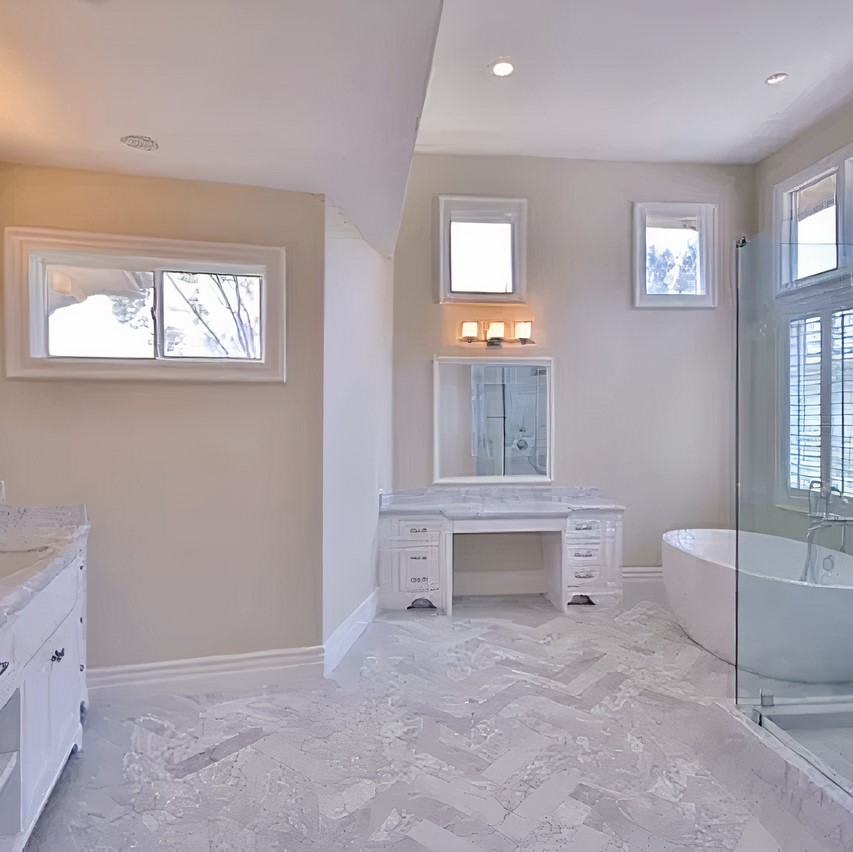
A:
(417, 570)
(581, 554)
(583, 527)
(418, 529)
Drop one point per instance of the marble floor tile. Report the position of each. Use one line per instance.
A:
(502, 728)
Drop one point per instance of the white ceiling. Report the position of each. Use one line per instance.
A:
(649, 80)
(311, 95)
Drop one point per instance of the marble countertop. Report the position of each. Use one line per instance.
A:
(58, 529)
(464, 502)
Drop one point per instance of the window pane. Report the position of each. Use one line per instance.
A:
(208, 315)
(99, 313)
(842, 401)
(672, 255)
(481, 257)
(815, 231)
(804, 402)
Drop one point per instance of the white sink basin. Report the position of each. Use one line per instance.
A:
(14, 560)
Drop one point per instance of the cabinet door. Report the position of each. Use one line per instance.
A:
(51, 692)
(35, 759)
(64, 689)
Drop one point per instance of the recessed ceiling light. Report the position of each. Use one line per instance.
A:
(143, 143)
(776, 79)
(502, 67)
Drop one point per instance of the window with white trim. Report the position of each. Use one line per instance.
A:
(675, 255)
(482, 246)
(813, 225)
(92, 306)
(820, 400)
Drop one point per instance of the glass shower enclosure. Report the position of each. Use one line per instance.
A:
(794, 568)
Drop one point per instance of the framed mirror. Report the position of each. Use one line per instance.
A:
(492, 420)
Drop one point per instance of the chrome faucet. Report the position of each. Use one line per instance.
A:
(820, 497)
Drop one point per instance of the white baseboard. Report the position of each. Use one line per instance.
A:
(499, 582)
(209, 674)
(643, 584)
(347, 633)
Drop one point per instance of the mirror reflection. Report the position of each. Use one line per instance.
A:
(492, 419)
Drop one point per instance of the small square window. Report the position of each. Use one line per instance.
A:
(482, 247)
(674, 248)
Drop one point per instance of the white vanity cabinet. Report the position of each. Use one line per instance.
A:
(409, 560)
(593, 544)
(583, 562)
(42, 662)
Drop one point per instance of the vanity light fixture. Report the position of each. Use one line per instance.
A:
(495, 332)
(524, 331)
(776, 79)
(470, 331)
(502, 67)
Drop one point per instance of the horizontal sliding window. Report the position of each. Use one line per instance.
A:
(124, 307)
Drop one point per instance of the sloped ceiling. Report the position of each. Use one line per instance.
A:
(312, 95)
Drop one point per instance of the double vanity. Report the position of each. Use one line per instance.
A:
(43, 694)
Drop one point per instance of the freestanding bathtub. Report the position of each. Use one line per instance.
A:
(787, 629)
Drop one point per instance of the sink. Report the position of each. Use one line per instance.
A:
(13, 560)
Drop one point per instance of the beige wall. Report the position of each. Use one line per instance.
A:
(357, 420)
(205, 500)
(643, 398)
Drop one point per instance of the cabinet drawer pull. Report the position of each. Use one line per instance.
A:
(57, 656)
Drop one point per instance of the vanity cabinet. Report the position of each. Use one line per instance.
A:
(594, 556)
(42, 671)
(409, 560)
(417, 529)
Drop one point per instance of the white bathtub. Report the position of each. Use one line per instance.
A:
(787, 629)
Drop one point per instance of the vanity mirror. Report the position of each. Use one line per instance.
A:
(492, 420)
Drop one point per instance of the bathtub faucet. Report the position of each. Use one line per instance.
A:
(821, 518)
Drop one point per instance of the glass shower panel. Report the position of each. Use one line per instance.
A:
(794, 568)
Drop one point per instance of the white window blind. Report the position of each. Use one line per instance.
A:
(841, 456)
(804, 402)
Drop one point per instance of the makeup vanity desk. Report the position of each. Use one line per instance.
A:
(416, 530)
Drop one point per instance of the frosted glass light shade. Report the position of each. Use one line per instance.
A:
(524, 330)
(495, 331)
(470, 330)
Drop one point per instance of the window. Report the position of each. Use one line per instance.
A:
(675, 255)
(812, 221)
(88, 306)
(483, 248)
(820, 400)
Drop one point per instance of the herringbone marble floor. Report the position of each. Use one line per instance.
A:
(507, 727)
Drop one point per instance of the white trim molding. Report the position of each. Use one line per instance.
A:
(348, 632)
(487, 361)
(707, 260)
(478, 208)
(643, 584)
(28, 251)
(224, 673)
